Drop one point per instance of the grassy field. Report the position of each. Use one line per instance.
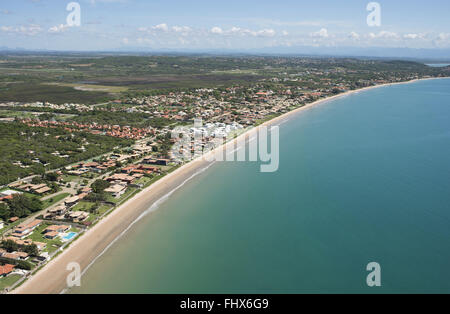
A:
(37, 236)
(83, 206)
(32, 92)
(70, 178)
(9, 281)
(92, 87)
(53, 200)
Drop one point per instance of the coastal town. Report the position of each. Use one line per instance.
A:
(66, 166)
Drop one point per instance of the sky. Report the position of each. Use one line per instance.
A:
(223, 25)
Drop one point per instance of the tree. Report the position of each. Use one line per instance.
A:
(21, 205)
(99, 186)
(36, 180)
(10, 246)
(31, 249)
(52, 176)
(4, 212)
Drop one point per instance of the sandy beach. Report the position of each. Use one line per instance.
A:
(85, 250)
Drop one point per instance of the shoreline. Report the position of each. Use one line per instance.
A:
(96, 241)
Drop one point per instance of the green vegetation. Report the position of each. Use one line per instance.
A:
(54, 200)
(139, 120)
(84, 206)
(12, 246)
(9, 281)
(38, 236)
(20, 206)
(32, 150)
(36, 92)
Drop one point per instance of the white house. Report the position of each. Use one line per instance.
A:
(116, 190)
(8, 193)
(2, 225)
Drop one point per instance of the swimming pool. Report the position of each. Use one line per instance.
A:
(69, 236)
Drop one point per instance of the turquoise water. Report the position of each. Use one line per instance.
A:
(365, 178)
(69, 236)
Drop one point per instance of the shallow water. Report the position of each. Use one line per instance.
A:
(364, 178)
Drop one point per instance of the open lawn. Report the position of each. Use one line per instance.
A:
(38, 236)
(53, 200)
(100, 212)
(9, 281)
(93, 88)
(126, 195)
(70, 178)
(83, 206)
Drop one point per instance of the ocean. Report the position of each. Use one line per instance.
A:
(363, 178)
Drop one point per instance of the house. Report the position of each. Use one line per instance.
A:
(42, 190)
(8, 193)
(82, 196)
(77, 216)
(23, 230)
(57, 211)
(69, 202)
(51, 235)
(2, 224)
(116, 190)
(5, 270)
(57, 228)
(27, 242)
(13, 219)
(86, 190)
(121, 177)
(16, 255)
(15, 185)
(159, 162)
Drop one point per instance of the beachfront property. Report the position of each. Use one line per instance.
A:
(24, 230)
(117, 190)
(78, 216)
(121, 177)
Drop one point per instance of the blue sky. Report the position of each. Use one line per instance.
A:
(231, 24)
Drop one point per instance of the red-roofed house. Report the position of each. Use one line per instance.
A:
(5, 270)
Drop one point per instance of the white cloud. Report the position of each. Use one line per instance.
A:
(323, 33)
(265, 33)
(443, 36)
(385, 35)
(354, 35)
(216, 30)
(58, 28)
(29, 30)
(161, 27)
(243, 32)
(181, 29)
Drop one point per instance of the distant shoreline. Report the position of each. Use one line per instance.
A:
(93, 243)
